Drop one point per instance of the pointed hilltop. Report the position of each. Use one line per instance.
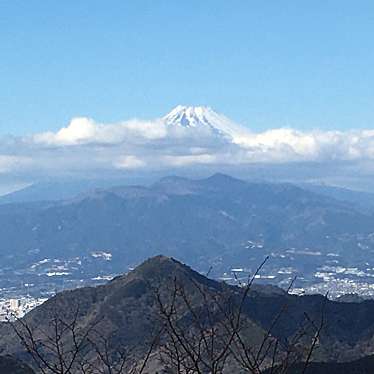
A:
(163, 269)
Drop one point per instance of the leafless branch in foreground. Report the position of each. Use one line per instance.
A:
(214, 334)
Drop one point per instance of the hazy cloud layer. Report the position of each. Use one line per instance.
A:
(85, 146)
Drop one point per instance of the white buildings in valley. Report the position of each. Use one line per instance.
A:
(18, 307)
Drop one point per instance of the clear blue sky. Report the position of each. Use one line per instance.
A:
(305, 64)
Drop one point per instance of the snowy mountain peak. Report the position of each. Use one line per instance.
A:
(200, 116)
(188, 116)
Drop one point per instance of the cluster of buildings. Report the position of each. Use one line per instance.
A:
(11, 309)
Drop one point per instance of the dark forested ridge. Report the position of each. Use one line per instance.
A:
(361, 366)
(9, 365)
(126, 312)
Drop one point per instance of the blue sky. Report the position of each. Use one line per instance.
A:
(265, 64)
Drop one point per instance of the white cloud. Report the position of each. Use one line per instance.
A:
(83, 130)
(285, 145)
(86, 146)
(129, 162)
(79, 130)
(187, 160)
(284, 142)
(275, 145)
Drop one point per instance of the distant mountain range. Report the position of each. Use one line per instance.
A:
(128, 311)
(55, 190)
(219, 222)
(361, 199)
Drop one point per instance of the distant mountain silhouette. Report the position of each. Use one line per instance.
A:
(207, 221)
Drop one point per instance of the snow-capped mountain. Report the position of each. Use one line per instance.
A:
(204, 117)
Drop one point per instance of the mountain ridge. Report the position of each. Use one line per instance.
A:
(219, 221)
(127, 310)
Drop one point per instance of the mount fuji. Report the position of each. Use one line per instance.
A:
(200, 117)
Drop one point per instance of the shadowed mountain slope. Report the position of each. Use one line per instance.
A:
(362, 366)
(9, 365)
(126, 312)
